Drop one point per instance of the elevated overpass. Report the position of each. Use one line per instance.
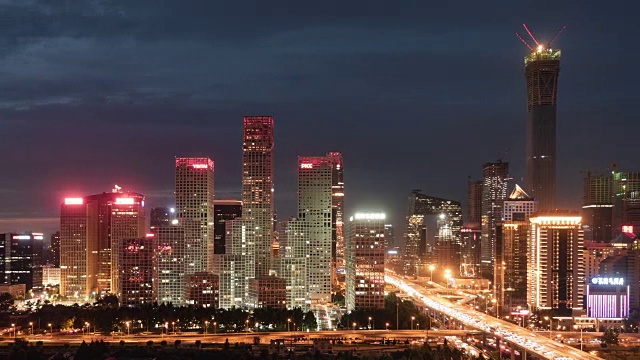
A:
(525, 341)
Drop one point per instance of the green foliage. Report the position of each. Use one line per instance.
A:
(309, 321)
(609, 337)
(6, 302)
(404, 310)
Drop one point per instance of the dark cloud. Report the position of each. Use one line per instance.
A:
(416, 94)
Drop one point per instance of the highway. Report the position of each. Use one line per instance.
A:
(534, 343)
(265, 337)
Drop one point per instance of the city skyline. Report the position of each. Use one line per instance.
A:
(154, 121)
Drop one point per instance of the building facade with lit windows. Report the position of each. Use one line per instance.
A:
(73, 249)
(89, 226)
(202, 289)
(555, 278)
(494, 192)
(315, 204)
(292, 263)
(510, 268)
(194, 181)
(136, 280)
(365, 261)
(258, 186)
(230, 269)
(18, 254)
(171, 263)
(268, 292)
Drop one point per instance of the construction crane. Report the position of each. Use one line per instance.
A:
(539, 45)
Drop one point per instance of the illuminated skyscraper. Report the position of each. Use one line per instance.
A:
(365, 261)
(88, 228)
(73, 249)
(257, 186)
(194, 206)
(315, 181)
(170, 260)
(542, 67)
(337, 211)
(494, 192)
(510, 266)
(556, 274)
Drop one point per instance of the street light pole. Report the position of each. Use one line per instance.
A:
(412, 318)
(51, 329)
(31, 324)
(576, 327)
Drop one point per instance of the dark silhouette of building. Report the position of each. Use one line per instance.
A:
(161, 216)
(223, 211)
(54, 250)
(474, 202)
(424, 228)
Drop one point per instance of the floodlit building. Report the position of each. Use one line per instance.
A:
(194, 208)
(607, 297)
(88, 228)
(555, 278)
(510, 268)
(365, 261)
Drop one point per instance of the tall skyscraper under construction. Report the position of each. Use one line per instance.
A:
(542, 66)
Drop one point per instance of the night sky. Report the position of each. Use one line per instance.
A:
(96, 93)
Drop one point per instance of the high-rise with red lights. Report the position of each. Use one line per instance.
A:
(542, 67)
(88, 228)
(194, 208)
(257, 186)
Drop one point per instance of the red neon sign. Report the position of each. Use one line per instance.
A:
(200, 166)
